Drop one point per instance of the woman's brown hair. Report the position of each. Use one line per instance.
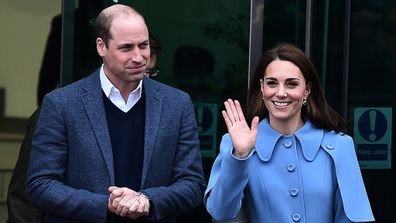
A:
(316, 110)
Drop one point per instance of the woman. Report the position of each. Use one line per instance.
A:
(293, 164)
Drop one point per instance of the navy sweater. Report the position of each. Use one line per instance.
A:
(127, 141)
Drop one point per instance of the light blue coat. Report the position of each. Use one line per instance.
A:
(310, 176)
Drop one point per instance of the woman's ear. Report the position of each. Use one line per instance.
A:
(308, 89)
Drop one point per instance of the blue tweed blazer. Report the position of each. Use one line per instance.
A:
(71, 164)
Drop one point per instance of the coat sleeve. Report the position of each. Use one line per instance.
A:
(46, 184)
(228, 179)
(350, 182)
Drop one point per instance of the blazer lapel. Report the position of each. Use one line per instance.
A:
(93, 103)
(153, 113)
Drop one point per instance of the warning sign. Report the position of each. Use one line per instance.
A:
(373, 137)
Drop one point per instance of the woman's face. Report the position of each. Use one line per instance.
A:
(284, 89)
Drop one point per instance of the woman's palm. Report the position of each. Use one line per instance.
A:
(243, 137)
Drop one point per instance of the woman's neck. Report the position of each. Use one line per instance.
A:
(286, 127)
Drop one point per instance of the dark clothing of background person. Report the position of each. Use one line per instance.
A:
(84, 61)
(19, 209)
(50, 68)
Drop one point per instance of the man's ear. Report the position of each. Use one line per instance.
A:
(101, 46)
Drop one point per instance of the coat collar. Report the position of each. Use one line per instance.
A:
(92, 98)
(308, 136)
(154, 106)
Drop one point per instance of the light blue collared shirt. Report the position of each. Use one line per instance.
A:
(115, 96)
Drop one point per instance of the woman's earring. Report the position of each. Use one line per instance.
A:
(304, 101)
(261, 84)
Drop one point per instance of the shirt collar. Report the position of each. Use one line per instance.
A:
(308, 136)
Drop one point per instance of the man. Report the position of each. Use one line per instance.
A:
(19, 208)
(116, 146)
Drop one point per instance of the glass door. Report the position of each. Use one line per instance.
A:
(354, 47)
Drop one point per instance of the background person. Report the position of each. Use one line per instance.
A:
(116, 145)
(293, 163)
(155, 48)
(18, 206)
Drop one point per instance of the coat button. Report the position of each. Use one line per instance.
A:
(296, 217)
(330, 146)
(294, 192)
(291, 167)
(288, 144)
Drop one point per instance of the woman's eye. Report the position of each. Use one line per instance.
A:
(271, 83)
(292, 84)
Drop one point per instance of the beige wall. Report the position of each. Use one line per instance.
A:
(24, 26)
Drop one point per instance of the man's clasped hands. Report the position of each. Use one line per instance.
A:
(128, 203)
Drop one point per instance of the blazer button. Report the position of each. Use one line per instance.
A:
(294, 192)
(296, 217)
(288, 144)
(330, 146)
(291, 167)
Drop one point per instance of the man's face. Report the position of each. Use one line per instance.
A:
(127, 54)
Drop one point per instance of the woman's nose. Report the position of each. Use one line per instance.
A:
(281, 92)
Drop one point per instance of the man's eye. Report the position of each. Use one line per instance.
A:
(143, 45)
(125, 48)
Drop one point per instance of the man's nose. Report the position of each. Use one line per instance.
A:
(136, 56)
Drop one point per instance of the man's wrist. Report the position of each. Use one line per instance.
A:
(145, 195)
